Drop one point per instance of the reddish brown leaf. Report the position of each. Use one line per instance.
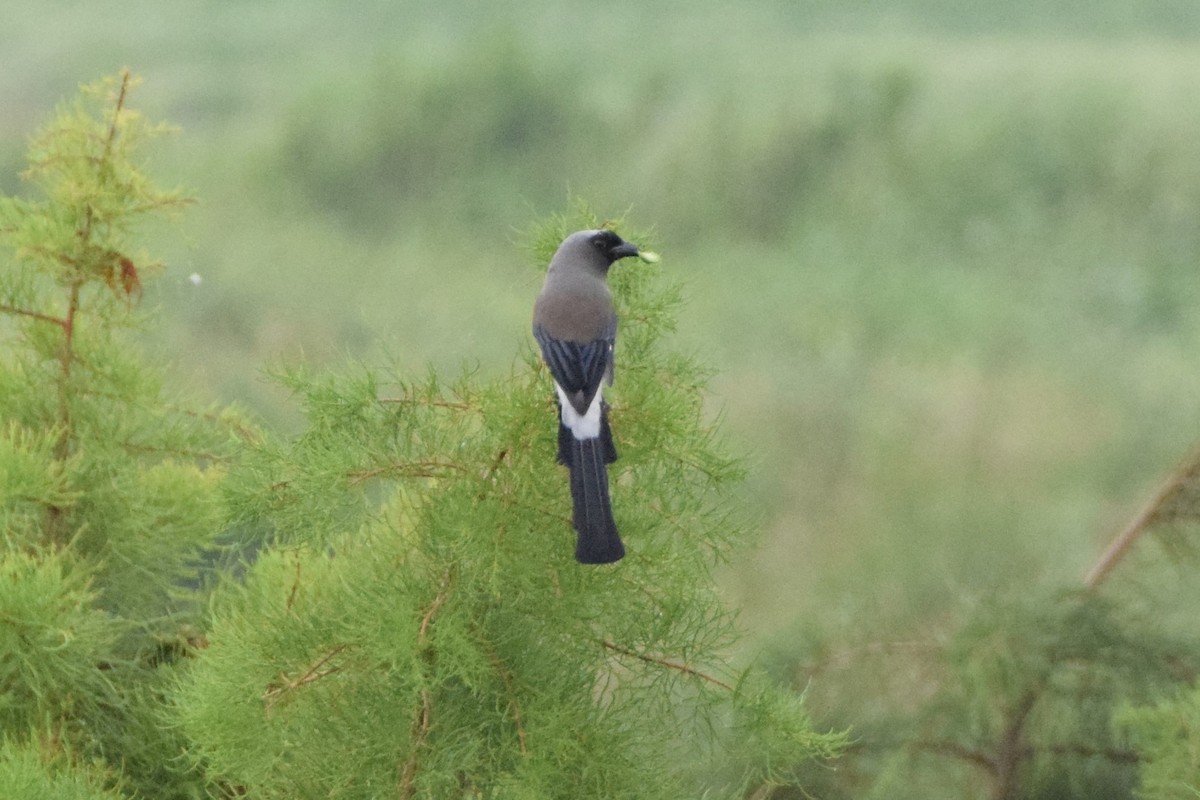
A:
(130, 281)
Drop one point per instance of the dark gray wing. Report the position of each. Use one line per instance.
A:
(578, 367)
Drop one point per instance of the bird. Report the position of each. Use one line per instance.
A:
(575, 326)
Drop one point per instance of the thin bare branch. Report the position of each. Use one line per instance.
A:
(431, 612)
(960, 751)
(126, 78)
(514, 707)
(22, 312)
(447, 404)
(407, 469)
(194, 455)
(420, 729)
(1132, 532)
(274, 694)
(295, 588)
(422, 720)
(668, 663)
(1011, 752)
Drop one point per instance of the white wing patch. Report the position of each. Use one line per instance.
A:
(586, 426)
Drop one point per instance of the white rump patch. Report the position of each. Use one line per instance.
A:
(586, 426)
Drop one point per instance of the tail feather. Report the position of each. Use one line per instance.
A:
(610, 448)
(597, 539)
(566, 438)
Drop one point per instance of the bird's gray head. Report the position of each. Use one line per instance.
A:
(594, 251)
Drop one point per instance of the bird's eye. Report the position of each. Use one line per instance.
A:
(605, 241)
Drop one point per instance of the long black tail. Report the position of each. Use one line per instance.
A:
(597, 540)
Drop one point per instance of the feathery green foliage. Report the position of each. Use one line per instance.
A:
(109, 491)
(104, 466)
(419, 627)
(1167, 733)
(1165, 730)
(27, 774)
(52, 639)
(415, 624)
(1018, 696)
(1080, 693)
(908, 395)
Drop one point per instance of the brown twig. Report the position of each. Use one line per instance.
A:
(988, 763)
(422, 720)
(126, 78)
(502, 529)
(410, 469)
(195, 455)
(1129, 535)
(23, 312)
(420, 729)
(1084, 751)
(407, 469)
(496, 462)
(447, 404)
(66, 356)
(274, 694)
(506, 677)
(295, 588)
(960, 751)
(1012, 752)
(245, 432)
(669, 664)
(431, 612)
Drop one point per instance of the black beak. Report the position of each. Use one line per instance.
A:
(623, 250)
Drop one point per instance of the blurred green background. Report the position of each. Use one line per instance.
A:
(941, 256)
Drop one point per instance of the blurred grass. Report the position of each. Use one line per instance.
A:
(941, 255)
